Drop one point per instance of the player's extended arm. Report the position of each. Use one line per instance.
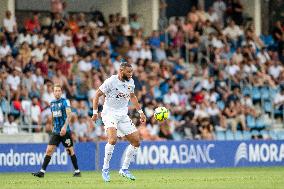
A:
(98, 94)
(137, 106)
(64, 128)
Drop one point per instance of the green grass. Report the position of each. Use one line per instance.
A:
(229, 178)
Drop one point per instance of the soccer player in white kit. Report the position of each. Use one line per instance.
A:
(118, 90)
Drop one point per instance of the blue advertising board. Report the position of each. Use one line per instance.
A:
(151, 155)
(29, 157)
(199, 154)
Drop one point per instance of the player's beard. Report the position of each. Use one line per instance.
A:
(125, 78)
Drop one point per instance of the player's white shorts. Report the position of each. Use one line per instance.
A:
(122, 123)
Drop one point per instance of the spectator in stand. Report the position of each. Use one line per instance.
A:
(10, 127)
(33, 24)
(9, 23)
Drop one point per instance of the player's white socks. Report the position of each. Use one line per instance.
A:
(129, 155)
(108, 153)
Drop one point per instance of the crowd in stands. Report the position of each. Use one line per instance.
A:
(209, 68)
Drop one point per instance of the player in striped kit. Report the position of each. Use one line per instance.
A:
(61, 114)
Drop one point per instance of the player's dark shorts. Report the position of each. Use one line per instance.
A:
(66, 140)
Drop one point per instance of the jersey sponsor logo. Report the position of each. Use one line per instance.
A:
(255, 153)
(57, 113)
(122, 95)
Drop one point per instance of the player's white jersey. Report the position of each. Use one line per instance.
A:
(117, 95)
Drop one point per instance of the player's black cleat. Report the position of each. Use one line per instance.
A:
(38, 174)
(77, 174)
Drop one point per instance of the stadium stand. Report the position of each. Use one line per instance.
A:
(219, 80)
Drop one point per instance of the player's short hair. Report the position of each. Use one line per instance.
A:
(124, 64)
(57, 85)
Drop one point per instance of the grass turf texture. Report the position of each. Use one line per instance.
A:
(258, 178)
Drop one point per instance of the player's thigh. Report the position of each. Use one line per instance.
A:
(66, 140)
(127, 128)
(134, 139)
(54, 139)
(110, 125)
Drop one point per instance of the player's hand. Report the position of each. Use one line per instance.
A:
(142, 118)
(63, 131)
(95, 117)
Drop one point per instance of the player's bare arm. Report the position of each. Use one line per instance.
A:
(68, 113)
(137, 106)
(98, 94)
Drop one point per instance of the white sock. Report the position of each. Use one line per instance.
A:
(108, 153)
(129, 155)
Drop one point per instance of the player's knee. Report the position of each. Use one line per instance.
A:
(68, 152)
(136, 143)
(112, 141)
(49, 151)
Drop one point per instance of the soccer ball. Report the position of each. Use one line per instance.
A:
(161, 113)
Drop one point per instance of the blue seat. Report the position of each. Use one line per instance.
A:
(264, 133)
(273, 135)
(239, 135)
(255, 93)
(267, 106)
(280, 135)
(273, 92)
(255, 133)
(246, 135)
(259, 123)
(229, 135)
(264, 93)
(246, 90)
(220, 135)
(250, 121)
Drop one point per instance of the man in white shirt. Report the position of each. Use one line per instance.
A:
(171, 98)
(9, 23)
(60, 38)
(39, 52)
(85, 64)
(38, 79)
(118, 91)
(275, 69)
(5, 49)
(133, 53)
(233, 32)
(263, 56)
(279, 99)
(35, 113)
(48, 95)
(10, 127)
(69, 51)
(13, 80)
(145, 52)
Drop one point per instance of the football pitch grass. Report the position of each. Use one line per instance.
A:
(229, 178)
